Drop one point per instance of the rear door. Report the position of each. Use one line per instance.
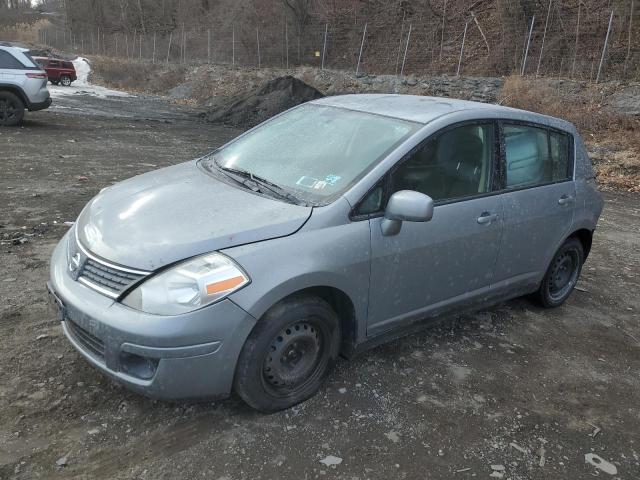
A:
(539, 199)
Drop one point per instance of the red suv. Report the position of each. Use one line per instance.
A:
(59, 71)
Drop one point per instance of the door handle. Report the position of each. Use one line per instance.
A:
(486, 218)
(565, 200)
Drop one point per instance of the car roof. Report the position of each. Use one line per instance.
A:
(423, 109)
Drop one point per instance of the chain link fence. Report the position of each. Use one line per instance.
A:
(548, 43)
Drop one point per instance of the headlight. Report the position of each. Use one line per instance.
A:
(188, 286)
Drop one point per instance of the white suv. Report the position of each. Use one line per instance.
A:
(23, 85)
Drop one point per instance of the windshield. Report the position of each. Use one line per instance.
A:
(314, 152)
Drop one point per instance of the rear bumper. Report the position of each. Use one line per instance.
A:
(33, 107)
(190, 356)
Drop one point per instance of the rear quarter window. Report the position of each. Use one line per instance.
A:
(560, 156)
(10, 62)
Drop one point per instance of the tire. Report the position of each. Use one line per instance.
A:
(65, 81)
(54, 82)
(288, 354)
(11, 109)
(562, 274)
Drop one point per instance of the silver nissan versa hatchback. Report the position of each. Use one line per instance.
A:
(334, 226)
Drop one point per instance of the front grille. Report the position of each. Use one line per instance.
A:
(114, 281)
(88, 341)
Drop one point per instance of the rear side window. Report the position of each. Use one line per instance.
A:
(54, 63)
(535, 156)
(10, 62)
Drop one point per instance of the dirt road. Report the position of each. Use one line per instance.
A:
(515, 391)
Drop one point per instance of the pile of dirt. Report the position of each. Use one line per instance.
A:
(275, 96)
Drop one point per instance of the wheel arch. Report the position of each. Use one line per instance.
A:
(586, 239)
(341, 304)
(16, 91)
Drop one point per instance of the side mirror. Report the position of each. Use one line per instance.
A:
(406, 206)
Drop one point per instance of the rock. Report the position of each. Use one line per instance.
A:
(626, 101)
(62, 461)
(331, 460)
(519, 448)
(181, 91)
(498, 471)
(93, 431)
(393, 436)
(342, 390)
(600, 463)
(541, 453)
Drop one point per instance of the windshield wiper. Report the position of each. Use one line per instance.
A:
(261, 183)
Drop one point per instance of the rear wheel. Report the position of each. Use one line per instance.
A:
(289, 354)
(11, 109)
(562, 275)
(65, 81)
(54, 82)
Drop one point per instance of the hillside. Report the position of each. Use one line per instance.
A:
(425, 35)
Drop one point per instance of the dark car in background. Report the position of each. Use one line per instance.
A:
(59, 71)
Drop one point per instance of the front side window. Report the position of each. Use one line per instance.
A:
(535, 156)
(314, 152)
(454, 164)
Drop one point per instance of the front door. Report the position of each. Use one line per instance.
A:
(429, 267)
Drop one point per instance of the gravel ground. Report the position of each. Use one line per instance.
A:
(511, 392)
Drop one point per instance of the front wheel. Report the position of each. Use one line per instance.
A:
(11, 109)
(562, 275)
(65, 81)
(288, 354)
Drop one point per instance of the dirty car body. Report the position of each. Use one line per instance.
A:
(384, 212)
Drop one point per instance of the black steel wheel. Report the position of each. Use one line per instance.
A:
(562, 274)
(288, 354)
(294, 354)
(11, 109)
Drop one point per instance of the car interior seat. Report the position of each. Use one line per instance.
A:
(460, 153)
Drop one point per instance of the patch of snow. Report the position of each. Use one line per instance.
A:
(82, 86)
(331, 460)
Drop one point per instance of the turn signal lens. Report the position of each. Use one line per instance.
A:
(224, 285)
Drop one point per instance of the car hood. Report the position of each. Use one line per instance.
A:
(167, 215)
